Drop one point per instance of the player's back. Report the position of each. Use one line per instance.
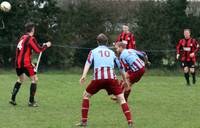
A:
(132, 59)
(103, 59)
(23, 52)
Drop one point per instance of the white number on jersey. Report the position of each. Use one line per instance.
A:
(19, 46)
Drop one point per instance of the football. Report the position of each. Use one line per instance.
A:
(5, 6)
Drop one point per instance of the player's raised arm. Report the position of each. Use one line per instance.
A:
(86, 67)
(144, 56)
(34, 45)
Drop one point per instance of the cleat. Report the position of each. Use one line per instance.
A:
(131, 125)
(81, 124)
(114, 98)
(34, 104)
(13, 103)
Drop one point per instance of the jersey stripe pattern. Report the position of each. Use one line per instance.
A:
(24, 51)
(186, 47)
(127, 38)
(131, 61)
(104, 61)
(104, 73)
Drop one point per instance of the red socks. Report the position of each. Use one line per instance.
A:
(127, 113)
(85, 108)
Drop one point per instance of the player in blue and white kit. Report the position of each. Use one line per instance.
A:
(134, 64)
(104, 78)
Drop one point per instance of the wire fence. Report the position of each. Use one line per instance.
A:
(89, 48)
(166, 57)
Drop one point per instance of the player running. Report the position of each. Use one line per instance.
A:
(26, 44)
(134, 64)
(104, 78)
(188, 49)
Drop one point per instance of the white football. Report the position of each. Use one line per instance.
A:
(5, 6)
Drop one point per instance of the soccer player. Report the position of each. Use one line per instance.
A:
(126, 37)
(104, 78)
(188, 48)
(134, 64)
(26, 44)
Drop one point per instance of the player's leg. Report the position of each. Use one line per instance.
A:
(33, 89)
(125, 109)
(113, 97)
(17, 86)
(133, 77)
(186, 74)
(91, 89)
(114, 88)
(192, 71)
(29, 71)
(85, 109)
(128, 91)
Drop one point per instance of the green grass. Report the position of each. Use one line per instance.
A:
(156, 102)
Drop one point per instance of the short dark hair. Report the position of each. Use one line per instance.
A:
(102, 39)
(29, 26)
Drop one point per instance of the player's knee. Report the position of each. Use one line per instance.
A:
(121, 98)
(20, 81)
(186, 70)
(86, 95)
(34, 79)
(192, 70)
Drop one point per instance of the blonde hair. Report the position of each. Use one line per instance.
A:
(121, 44)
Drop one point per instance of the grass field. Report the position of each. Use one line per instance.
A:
(157, 102)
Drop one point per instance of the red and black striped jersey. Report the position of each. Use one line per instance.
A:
(24, 50)
(187, 46)
(127, 38)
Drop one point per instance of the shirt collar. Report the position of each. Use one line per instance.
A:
(102, 46)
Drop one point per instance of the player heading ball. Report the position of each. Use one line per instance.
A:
(26, 44)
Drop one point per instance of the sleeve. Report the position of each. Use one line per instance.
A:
(132, 40)
(140, 53)
(196, 46)
(178, 46)
(34, 45)
(125, 65)
(90, 58)
(119, 65)
(118, 39)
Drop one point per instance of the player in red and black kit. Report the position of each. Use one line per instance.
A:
(26, 44)
(187, 48)
(126, 37)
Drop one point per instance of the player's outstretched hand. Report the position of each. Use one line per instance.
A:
(177, 56)
(148, 63)
(48, 44)
(192, 55)
(82, 80)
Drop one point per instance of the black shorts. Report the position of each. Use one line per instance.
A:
(29, 71)
(189, 64)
